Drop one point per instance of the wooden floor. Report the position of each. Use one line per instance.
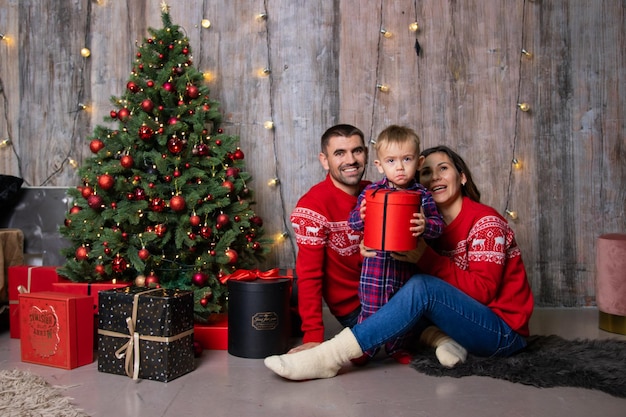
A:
(225, 385)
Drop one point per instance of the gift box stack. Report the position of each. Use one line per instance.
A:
(146, 333)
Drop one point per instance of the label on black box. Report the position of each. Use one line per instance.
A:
(267, 320)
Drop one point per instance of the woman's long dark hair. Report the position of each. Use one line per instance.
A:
(469, 189)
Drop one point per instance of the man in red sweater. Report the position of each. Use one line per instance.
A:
(328, 264)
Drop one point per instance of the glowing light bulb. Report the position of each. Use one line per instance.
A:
(273, 182)
(269, 125)
(85, 52)
(208, 76)
(264, 72)
(5, 143)
(523, 106)
(382, 87)
(3, 37)
(512, 214)
(516, 163)
(281, 236)
(528, 54)
(206, 23)
(72, 163)
(261, 17)
(82, 106)
(414, 27)
(386, 33)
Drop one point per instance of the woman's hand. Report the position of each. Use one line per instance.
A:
(412, 256)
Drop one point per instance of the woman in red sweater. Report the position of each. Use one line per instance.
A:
(473, 286)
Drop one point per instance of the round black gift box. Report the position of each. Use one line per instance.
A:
(258, 317)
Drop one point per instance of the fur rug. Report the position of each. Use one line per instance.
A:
(547, 361)
(26, 394)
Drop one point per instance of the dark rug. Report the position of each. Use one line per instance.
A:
(547, 361)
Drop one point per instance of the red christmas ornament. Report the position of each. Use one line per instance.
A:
(192, 91)
(232, 172)
(256, 246)
(113, 114)
(232, 255)
(256, 220)
(200, 279)
(175, 145)
(157, 205)
(86, 192)
(177, 203)
(160, 230)
(143, 254)
(147, 105)
(106, 181)
(95, 145)
(238, 154)
(173, 120)
(119, 264)
(194, 220)
(203, 149)
(150, 83)
(145, 133)
(75, 209)
(167, 86)
(126, 161)
(81, 253)
(132, 87)
(99, 269)
(229, 185)
(123, 114)
(206, 232)
(138, 194)
(152, 280)
(95, 202)
(204, 302)
(222, 220)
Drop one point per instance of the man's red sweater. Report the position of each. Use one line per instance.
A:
(328, 264)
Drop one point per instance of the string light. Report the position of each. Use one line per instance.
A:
(523, 106)
(516, 163)
(206, 23)
(3, 37)
(386, 33)
(528, 54)
(85, 52)
(414, 27)
(208, 76)
(269, 125)
(383, 87)
(72, 163)
(83, 107)
(261, 17)
(512, 214)
(281, 237)
(273, 182)
(5, 143)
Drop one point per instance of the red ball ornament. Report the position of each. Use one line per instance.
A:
(152, 280)
(173, 120)
(132, 87)
(167, 86)
(81, 253)
(232, 172)
(86, 192)
(145, 133)
(229, 186)
(232, 255)
(143, 254)
(194, 220)
(238, 154)
(256, 246)
(175, 145)
(204, 302)
(95, 145)
(147, 105)
(99, 269)
(218, 142)
(123, 114)
(119, 264)
(139, 194)
(177, 203)
(202, 149)
(95, 202)
(150, 83)
(106, 181)
(157, 205)
(160, 230)
(222, 220)
(192, 91)
(113, 114)
(200, 279)
(75, 209)
(206, 232)
(126, 161)
(256, 220)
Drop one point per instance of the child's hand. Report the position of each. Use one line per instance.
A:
(365, 251)
(362, 210)
(419, 223)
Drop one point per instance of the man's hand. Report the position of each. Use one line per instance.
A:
(305, 346)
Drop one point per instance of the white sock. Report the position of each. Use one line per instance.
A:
(448, 351)
(322, 361)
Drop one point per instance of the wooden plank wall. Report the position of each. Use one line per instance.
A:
(326, 59)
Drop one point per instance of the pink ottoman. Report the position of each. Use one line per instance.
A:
(611, 282)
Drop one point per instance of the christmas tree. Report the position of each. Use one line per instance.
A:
(164, 201)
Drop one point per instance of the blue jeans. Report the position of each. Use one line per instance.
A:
(470, 323)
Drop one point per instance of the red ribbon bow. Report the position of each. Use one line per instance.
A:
(251, 275)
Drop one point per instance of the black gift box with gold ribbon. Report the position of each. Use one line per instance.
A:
(146, 333)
